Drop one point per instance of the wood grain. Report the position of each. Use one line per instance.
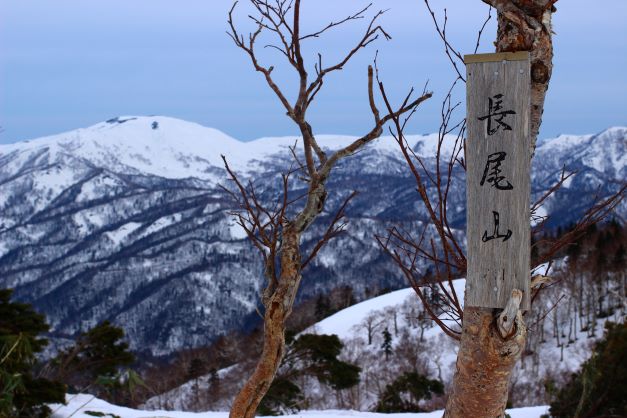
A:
(498, 261)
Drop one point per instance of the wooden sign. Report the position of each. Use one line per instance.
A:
(498, 178)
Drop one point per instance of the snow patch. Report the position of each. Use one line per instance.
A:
(78, 406)
(236, 231)
(118, 235)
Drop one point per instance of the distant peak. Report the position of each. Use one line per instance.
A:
(621, 130)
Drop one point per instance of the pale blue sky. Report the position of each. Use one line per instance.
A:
(66, 64)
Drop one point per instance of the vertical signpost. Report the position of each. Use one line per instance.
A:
(498, 158)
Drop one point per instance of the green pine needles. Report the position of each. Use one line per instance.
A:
(22, 393)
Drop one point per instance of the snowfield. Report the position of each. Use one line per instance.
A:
(78, 406)
(418, 343)
(343, 322)
(174, 148)
(134, 199)
(121, 215)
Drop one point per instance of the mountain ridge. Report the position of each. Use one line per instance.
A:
(136, 230)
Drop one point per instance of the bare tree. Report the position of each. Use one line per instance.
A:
(276, 229)
(491, 341)
(370, 324)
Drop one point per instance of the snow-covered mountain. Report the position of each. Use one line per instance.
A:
(561, 338)
(125, 221)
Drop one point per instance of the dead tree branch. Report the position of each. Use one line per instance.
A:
(276, 232)
(445, 253)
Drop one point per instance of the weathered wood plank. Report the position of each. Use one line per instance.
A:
(499, 56)
(498, 180)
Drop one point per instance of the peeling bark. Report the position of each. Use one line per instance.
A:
(484, 364)
(486, 359)
(525, 25)
(278, 309)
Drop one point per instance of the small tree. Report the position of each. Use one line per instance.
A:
(620, 259)
(283, 396)
(317, 356)
(370, 323)
(22, 394)
(599, 389)
(276, 229)
(308, 355)
(94, 361)
(406, 392)
(214, 385)
(386, 346)
(323, 307)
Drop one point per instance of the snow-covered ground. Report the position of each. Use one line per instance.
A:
(78, 406)
(396, 309)
(418, 344)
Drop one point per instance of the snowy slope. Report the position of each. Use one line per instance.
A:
(118, 217)
(174, 149)
(553, 351)
(342, 323)
(79, 404)
(170, 147)
(555, 348)
(156, 145)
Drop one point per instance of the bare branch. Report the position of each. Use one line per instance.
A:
(553, 189)
(482, 28)
(262, 226)
(335, 228)
(249, 48)
(371, 34)
(418, 288)
(375, 132)
(268, 227)
(453, 55)
(598, 210)
(355, 16)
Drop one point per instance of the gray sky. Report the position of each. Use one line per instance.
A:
(66, 64)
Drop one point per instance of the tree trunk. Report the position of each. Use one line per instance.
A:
(484, 364)
(525, 25)
(278, 309)
(485, 360)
